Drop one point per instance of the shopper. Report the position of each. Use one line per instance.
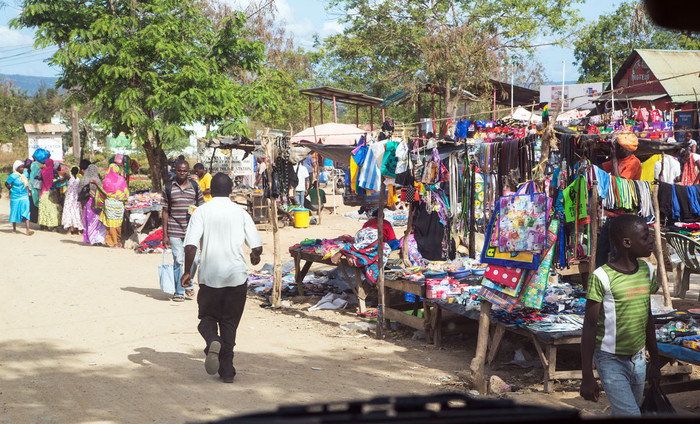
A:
(18, 185)
(618, 327)
(72, 219)
(219, 228)
(178, 197)
(204, 180)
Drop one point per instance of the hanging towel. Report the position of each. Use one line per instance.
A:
(646, 209)
(603, 181)
(369, 177)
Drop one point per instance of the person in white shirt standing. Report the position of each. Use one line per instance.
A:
(303, 186)
(219, 228)
(671, 169)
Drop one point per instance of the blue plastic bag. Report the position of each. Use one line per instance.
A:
(167, 276)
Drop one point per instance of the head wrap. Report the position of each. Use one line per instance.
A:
(47, 176)
(22, 177)
(114, 184)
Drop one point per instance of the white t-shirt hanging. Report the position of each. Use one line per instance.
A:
(402, 156)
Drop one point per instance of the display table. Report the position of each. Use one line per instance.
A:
(358, 287)
(546, 344)
(431, 314)
(674, 353)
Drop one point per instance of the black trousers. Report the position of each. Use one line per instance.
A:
(220, 311)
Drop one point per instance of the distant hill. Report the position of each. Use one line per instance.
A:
(30, 84)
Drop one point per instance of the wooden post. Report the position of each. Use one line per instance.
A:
(380, 261)
(335, 111)
(357, 115)
(661, 277)
(75, 129)
(432, 105)
(613, 156)
(371, 118)
(311, 119)
(478, 363)
(404, 245)
(320, 106)
(276, 295)
(383, 115)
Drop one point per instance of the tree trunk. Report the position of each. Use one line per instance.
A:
(157, 161)
(75, 130)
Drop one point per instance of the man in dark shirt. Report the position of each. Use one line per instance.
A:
(177, 198)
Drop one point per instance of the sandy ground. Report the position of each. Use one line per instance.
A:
(88, 337)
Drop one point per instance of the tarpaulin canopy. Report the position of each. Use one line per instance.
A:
(330, 133)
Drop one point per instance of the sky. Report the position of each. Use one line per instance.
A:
(303, 18)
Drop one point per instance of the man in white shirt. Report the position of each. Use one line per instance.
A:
(671, 172)
(219, 228)
(692, 144)
(303, 185)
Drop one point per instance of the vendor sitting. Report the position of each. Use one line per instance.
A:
(314, 193)
(387, 228)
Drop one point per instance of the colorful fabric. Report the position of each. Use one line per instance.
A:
(507, 276)
(71, 208)
(603, 179)
(364, 252)
(46, 178)
(356, 161)
(369, 177)
(498, 299)
(536, 283)
(48, 208)
(94, 228)
(624, 307)
(577, 191)
(389, 160)
(509, 291)
(414, 255)
(112, 213)
(690, 173)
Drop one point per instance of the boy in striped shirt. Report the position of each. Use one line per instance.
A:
(618, 324)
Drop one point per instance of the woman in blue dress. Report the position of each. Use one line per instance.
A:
(18, 184)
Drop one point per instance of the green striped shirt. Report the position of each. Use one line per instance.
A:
(624, 311)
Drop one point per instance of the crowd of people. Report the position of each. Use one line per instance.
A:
(75, 199)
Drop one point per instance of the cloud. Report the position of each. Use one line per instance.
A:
(12, 38)
(331, 27)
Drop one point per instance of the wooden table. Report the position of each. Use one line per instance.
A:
(431, 313)
(358, 287)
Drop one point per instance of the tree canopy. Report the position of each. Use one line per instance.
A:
(456, 45)
(616, 35)
(151, 66)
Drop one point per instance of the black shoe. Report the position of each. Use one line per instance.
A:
(227, 379)
(211, 363)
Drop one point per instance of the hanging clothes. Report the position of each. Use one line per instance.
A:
(648, 168)
(429, 232)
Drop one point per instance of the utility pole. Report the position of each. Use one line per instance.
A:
(75, 129)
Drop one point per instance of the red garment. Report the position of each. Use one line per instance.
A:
(387, 230)
(629, 167)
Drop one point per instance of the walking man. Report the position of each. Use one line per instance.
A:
(178, 195)
(204, 180)
(219, 228)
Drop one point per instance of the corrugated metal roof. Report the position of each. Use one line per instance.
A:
(45, 128)
(666, 64)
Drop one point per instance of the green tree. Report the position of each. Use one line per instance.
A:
(616, 35)
(149, 66)
(454, 44)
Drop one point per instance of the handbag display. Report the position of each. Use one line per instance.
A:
(522, 223)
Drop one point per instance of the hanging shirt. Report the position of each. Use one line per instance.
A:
(648, 168)
(357, 159)
(370, 177)
(389, 159)
(302, 174)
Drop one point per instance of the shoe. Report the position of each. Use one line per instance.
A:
(227, 379)
(178, 299)
(211, 363)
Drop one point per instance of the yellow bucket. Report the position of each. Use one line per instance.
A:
(301, 218)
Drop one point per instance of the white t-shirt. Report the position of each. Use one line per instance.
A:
(219, 228)
(303, 174)
(672, 169)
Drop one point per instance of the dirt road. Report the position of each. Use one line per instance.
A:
(87, 337)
